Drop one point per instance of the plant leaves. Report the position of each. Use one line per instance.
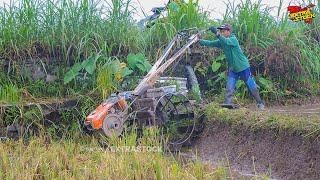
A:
(134, 59)
(222, 76)
(90, 64)
(201, 69)
(141, 67)
(114, 66)
(215, 66)
(240, 84)
(147, 65)
(266, 83)
(126, 72)
(72, 73)
(219, 58)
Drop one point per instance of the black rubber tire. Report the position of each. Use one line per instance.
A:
(192, 79)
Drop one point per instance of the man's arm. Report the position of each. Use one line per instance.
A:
(215, 43)
(228, 41)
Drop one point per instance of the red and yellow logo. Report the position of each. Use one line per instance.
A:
(301, 14)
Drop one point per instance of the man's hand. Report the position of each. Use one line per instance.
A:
(218, 34)
(213, 30)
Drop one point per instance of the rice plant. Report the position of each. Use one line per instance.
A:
(9, 93)
(188, 15)
(67, 29)
(45, 158)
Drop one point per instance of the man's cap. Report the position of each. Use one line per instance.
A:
(225, 27)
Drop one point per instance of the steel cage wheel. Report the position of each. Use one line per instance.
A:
(176, 118)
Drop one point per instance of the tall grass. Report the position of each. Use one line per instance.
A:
(122, 32)
(9, 93)
(43, 158)
(188, 15)
(251, 21)
(66, 30)
(63, 32)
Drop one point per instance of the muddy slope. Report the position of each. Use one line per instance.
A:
(276, 154)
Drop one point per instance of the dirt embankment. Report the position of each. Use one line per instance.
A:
(283, 156)
(277, 144)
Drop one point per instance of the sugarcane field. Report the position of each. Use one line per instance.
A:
(163, 89)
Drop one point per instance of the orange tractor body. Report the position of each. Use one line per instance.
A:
(96, 117)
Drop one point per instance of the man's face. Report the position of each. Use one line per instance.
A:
(225, 33)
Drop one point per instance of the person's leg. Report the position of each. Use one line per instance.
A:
(231, 85)
(247, 77)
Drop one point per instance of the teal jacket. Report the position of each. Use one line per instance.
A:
(237, 61)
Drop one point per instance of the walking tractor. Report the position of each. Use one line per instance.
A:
(167, 107)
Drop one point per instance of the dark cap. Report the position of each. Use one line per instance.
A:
(225, 27)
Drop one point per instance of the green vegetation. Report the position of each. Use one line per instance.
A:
(282, 53)
(74, 40)
(9, 93)
(46, 158)
(65, 49)
(61, 149)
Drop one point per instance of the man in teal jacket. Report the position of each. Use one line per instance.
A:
(238, 64)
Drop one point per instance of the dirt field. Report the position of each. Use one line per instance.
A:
(277, 154)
